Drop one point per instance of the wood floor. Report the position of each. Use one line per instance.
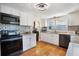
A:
(45, 49)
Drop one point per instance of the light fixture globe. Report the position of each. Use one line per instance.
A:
(41, 6)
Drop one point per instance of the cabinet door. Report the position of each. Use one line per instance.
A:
(26, 43)
(23, 19)
(30, 20)
(73, 19)
(43, 37)
(26, 19)
(50, 38)
(53, 39)
(75, 38)
(33, 40)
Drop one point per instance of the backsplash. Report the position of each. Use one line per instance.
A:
(20, 29)
(73, 28)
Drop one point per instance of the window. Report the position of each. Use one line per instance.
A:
(57, 26)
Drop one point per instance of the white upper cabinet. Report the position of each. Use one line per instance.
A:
(30, 20)
(73, 19)
(26, 19)
(23, 19)
(43, 22)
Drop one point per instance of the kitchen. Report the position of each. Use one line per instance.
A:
(22, 27)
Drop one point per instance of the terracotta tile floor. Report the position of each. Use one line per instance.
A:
(45, 49)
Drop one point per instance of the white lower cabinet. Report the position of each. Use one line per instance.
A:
(75, 38)
(54, 38)
(26, 42)
(29, 41)
(33, 40)
(50, 38)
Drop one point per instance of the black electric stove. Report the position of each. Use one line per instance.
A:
(11, 43)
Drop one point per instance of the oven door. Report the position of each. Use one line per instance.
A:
(12, 47)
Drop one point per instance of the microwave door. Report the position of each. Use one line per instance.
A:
(9, 19)
(14, 23)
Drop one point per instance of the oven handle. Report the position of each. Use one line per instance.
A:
(12, 39)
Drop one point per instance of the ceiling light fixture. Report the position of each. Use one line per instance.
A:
(41, 6)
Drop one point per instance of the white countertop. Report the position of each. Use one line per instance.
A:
(27, 33)
(61, 32)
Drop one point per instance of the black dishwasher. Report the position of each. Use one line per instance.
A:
(64, 40)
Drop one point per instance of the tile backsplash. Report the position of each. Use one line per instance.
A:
(73, 28)
(20, 29)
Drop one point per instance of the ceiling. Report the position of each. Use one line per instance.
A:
(55, 9)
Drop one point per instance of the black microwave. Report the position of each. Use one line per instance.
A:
(9, 19)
